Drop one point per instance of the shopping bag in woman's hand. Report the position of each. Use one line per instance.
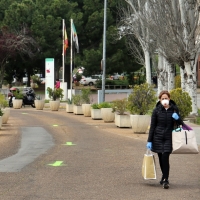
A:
(148, 166)
(186, 127)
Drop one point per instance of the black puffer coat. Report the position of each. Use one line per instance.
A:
(162, 125)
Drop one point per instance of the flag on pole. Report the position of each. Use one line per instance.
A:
(65, 40)
(75, 37)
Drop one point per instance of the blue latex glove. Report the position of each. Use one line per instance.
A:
(149, 145)
(175, 116)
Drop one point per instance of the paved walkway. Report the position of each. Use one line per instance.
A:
(89, 160)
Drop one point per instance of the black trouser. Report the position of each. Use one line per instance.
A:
(164, 164)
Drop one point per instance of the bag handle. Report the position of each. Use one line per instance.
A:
(149, 152)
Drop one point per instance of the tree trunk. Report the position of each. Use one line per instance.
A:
(147, 65)
(183, 81)
(171, 75)
(191, 86)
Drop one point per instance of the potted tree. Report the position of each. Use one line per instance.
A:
(5, 109)
(77, 101)
(106, 112)
(122, 119)
(69, 106)
(39, 103)
(86, 105)
(95, 111)
(55, 95)
(140, 102)
(18, 99)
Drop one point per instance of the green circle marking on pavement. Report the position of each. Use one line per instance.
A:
(57, 164)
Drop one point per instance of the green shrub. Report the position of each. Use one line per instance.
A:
(56, 93)
(69, 101)
(142, 99)
(120, 106)
(178, 81)
(18, 94)
(183, 101)
(95, 106)
(76, 99)
(3, 101)
(105, 105)
(85, 95)
(36, 79)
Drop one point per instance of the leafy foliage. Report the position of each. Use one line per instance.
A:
(95, 106)
(178, 81)
(18, 94)
(3, 101)
(183, 101)
(56, 93)
(105, 105)
(77, 100)
(85, 95)
(142, 99)
(120, 106)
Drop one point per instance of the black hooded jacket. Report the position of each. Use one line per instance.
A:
(162, 125)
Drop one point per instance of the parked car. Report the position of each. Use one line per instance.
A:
(89, 80)
(115, 76)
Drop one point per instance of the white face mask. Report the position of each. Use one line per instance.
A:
(165, 102)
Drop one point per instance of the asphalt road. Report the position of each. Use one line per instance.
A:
(88, 160)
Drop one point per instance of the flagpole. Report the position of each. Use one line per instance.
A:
(63, 54)
(71, 60)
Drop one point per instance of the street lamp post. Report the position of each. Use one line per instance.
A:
(104, 51)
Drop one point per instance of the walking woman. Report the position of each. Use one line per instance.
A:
(164, 116)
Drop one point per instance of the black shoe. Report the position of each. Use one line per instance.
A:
(165, 184)
(161, 181)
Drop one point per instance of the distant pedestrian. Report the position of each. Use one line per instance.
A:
(57, 84)
(159, 141)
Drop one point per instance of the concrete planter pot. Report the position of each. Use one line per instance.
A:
(0, 122)
(140, 123)
(78, 110)
(107, 115)
(86, 110)
(39, 104)
(69, 108)
(54, 105)
(122, 121)
(17, 103)
(96, 113)
(6, 115)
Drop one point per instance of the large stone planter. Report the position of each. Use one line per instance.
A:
(17, 103)
(107, 114)
(140, 123)
(86, 110)
(96, 113)
(54, 105)
(122, 120)
(78, 110)
(69, 108)
(39, 104)
(6, 115)
(0, 122)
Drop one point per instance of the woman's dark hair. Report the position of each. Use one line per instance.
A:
(164, 92)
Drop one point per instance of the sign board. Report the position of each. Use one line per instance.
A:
(49, 75)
